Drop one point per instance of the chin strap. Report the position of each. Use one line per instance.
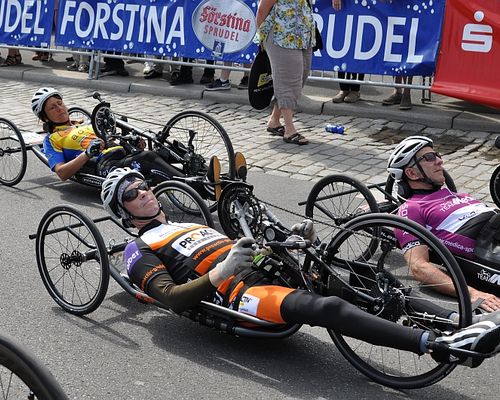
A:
(160, 209)
(426, 179)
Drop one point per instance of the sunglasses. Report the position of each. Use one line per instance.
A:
(132, 194)
(429, 157)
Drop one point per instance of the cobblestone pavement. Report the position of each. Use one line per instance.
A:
(361, 152)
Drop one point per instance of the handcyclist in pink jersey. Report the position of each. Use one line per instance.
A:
(457, 219)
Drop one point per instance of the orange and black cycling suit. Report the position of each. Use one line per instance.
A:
(170, 262)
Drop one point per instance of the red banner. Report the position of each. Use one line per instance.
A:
(469, 61)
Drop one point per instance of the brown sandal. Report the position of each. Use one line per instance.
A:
(12, 60)
(296, 138)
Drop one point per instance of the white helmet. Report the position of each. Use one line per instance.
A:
(40, 97)
(110, 187)
(404, 153)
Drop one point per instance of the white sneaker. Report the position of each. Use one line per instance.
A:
(483, 337)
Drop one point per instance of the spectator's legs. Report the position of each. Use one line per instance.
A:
(406, 98)
(344, 89)
(354, 95)
(13, 58)
(208, 74)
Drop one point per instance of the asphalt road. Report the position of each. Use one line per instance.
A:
(127, 350)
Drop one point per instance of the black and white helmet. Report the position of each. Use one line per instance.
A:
(404, 153)
(110, 187)
(40, 97)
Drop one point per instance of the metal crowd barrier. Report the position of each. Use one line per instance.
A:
(96, 58)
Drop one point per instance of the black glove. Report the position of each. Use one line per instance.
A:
(94, 148)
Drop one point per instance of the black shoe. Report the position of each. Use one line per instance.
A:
(180, 79)
(122, 72)
(153, 74)
(206, 79)
(243, 83)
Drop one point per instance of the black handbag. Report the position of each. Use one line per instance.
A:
(319, 39)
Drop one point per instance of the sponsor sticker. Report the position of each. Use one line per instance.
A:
(188, 243)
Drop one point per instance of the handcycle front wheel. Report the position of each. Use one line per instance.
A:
(72, 260)
(80, 115)
(13, 155)
(495, 186)
(403, 299)
(210, 139)
(181, 203)
(337, 199)
(22, 376)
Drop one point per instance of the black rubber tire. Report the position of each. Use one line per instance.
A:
(495, 186)
(389, 186)
(72, 260)
(26, 375)
(335, 200)
(387, 366)
(12, 150)
(181, 203)
(80, 114)
(211, 138)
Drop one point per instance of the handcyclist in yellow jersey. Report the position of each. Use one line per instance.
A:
(181, 264)
(72, 147)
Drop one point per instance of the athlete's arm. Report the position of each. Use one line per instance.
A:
(66, 170)
(428, 273)
(179, 297)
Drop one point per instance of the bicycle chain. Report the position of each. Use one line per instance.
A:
(342, 228)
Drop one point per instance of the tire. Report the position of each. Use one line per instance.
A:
(335, 200)
(392, 189)
(72, 260)
(13, 155)
(181, 203)
(406, 302)
(22, 376)
(495, 186)
(211, 138)
(80, 114)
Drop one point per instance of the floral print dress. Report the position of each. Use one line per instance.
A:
(292, 24)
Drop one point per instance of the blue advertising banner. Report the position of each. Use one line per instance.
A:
(26, 22)
(393, 37)
(209, 29)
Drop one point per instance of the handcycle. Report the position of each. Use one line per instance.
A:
(22, 375)
(339, 198)
(361, 265)
(187, 142)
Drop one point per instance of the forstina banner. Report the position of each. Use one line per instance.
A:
(210, 29)
(469, 59)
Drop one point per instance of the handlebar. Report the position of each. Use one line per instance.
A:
(293, 244)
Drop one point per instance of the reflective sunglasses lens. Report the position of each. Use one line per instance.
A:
(132, 194)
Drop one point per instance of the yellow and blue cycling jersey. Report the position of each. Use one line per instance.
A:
(67, 142)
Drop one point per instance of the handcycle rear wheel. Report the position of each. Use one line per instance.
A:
(495, 186)
(79, 114)
(72, 260)
(336, 199)
(13, 155)
(181, 203)
(405, 300)
(211, 138)
(22, 376)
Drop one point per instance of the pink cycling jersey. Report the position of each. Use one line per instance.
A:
(443, 213)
